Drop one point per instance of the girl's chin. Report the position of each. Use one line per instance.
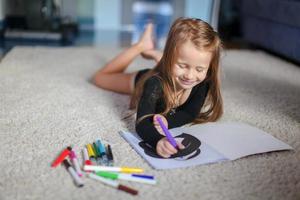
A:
(185, 87)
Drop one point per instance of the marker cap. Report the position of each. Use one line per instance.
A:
(60, 158)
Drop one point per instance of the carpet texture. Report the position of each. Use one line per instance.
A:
(47, 103)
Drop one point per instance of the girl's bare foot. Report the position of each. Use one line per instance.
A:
(152, 54)
(146, 41)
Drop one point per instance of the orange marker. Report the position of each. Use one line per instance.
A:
(61, 157)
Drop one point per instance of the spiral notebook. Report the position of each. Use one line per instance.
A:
(209, 143)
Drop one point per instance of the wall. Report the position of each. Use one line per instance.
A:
(114, 14)
(207, 10)
(85, 14)
(198, 9)
(127, 16)
(107, 14)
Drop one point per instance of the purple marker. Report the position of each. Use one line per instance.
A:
(167, 133)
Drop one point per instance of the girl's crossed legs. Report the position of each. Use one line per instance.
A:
(112, 77)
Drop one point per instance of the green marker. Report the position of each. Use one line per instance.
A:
(98, 155)
(107, 175)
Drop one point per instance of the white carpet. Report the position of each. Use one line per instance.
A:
(48, 103)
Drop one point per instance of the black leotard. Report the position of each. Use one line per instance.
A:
(151, 102)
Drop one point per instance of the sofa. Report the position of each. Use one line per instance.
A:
(273, 25)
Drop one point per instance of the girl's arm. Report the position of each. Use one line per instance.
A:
(147, 128)
(147, 106)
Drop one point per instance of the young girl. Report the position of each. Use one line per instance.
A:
(183, 87)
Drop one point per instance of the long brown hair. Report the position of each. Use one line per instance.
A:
(202, 35)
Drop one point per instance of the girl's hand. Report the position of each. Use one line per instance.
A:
(165, 149)
(156, 124)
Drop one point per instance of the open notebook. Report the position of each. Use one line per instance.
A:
(209, 143)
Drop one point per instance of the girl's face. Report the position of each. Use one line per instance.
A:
(191, 66)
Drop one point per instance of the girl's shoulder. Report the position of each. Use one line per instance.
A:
(153, 80)
(204, 83)
(152, 88)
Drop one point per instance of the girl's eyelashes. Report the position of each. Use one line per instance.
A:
(181, 66)
(184, 66)
(200, 70)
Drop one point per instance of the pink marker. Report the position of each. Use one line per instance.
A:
(75, 161)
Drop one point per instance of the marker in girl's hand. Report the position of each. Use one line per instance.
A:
(167, 133)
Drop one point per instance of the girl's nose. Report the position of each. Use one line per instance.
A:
(189, 75)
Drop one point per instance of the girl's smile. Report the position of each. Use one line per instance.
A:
(186, 82)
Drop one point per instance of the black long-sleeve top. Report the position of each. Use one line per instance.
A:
(151, 102)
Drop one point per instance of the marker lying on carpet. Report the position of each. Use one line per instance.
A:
(77, 180)
(126, 177)
(86, 157)
(75, 161)
(167, 133)
(91, 153)
(142, 176)
(114, 184)
(97, 153)
(110, 156)
(112, 169)
(61, 157)
(102, 152)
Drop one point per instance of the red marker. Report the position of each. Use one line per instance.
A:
(114, 184)
(88, 162)
(61, 157)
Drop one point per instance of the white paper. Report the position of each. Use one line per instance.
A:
(236, 140)
(207, 155)
(219, 142)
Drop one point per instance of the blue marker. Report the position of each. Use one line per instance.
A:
(167, 133)
(142, 176)
(101, 149)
